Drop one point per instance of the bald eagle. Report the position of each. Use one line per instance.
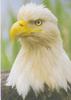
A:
(42, 65)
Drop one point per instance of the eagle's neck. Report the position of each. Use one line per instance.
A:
(35, 67)
(50, 65)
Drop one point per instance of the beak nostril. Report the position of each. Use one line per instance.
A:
(21, 24)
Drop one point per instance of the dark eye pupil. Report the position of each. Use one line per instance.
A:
(38, 22)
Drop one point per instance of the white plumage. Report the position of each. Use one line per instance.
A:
(42, 58)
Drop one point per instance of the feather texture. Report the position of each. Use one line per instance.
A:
(42, 59)
(35, 68)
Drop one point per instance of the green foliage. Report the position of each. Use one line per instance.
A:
(47, 3)
(7, 59)
(15, 49)
(70, 40)
(4, 57)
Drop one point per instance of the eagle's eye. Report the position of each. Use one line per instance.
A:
(38, 22)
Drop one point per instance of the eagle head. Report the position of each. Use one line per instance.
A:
(36, 25)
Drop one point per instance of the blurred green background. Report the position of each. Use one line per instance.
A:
(61, 8)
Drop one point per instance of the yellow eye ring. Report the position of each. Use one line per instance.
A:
(38, 22)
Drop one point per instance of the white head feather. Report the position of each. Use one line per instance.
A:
(40, 60)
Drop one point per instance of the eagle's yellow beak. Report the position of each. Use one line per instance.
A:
(20, 28)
